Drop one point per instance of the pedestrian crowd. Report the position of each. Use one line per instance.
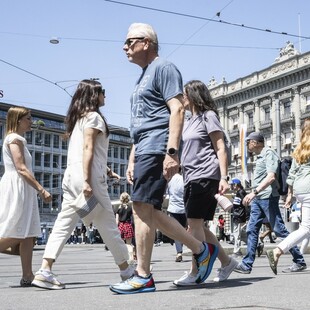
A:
(183, 158)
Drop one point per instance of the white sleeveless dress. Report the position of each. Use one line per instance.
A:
(19, 213)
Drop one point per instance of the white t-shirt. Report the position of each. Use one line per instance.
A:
(175, 190)
(75, 151)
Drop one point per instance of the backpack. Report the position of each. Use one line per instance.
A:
(283, 169)
(284, 166)
(227, 141)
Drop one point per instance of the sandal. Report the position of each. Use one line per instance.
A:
(272, 263)
(25, 283)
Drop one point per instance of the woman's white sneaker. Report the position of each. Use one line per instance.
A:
(224, 273)
(186, 280)
(129, 272)
(46, 279)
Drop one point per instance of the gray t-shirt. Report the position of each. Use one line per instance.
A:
(199, 159)
(266, 162)
(159, 82)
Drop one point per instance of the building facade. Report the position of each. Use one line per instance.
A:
(48, 148)
(274, 101)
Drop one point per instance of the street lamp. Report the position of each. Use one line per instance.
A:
(54, 40)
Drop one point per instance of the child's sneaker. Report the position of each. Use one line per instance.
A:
(133, 285)
(46, 279)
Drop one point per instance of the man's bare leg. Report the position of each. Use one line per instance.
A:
(144, 235)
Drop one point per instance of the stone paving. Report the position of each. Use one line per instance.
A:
(88, 270)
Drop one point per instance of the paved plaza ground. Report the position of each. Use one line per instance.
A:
(88, 270)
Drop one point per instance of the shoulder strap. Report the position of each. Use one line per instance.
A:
(274, 152)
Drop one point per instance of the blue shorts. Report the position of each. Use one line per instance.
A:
(149, 184)
(199, 198)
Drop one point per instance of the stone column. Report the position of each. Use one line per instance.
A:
(296, 104)
(276, 125)
(256, 115)
(225, 122)
(222, 118)
(241, 115)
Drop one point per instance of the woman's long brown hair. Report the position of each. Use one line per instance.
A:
(302, 150)
(85, 99)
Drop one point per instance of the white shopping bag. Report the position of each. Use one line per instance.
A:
(83, 207)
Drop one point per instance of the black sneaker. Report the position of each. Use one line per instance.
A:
(260, 249)
(25, 283)
(178, 258)
(295, 268)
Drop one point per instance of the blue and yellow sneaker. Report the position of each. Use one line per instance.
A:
(133, 285)
(205, 261)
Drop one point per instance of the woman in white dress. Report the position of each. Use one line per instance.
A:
(86, 177)
(19, 213)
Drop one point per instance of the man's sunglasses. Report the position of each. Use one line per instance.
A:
(103, 92)
(130, 41)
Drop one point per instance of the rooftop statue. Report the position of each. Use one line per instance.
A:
(286, 52)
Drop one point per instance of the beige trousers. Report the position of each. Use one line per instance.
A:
(102, 216)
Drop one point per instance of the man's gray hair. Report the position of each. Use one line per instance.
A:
(144, 30)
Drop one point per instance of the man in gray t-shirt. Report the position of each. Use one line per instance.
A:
(157, 115)
(159, 82)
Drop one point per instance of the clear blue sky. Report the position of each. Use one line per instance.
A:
(92, 33)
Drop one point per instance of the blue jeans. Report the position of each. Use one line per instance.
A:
(261, 208)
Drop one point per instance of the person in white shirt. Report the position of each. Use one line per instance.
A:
(84, 180)
(176, 209)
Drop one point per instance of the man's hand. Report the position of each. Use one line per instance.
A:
(247, 199)
(170, 166)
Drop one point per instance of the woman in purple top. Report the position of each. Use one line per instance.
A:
(204, 165)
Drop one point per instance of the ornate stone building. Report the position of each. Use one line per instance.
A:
(274, 101)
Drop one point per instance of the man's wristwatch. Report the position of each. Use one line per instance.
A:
(255, 192)
(225, 177)
(172, 151)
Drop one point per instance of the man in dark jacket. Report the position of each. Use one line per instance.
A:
(239, 215)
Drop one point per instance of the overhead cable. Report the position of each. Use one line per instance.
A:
(210, 19)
